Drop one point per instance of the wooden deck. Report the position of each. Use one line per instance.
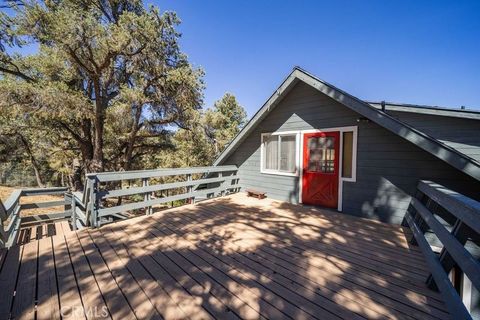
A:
(39, 231)
(227, 258)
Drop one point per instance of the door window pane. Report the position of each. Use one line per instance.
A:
(321, 154)
(271, 152)
(347, 154)
(287, 153)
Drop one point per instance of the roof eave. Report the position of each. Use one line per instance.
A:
(464, 114)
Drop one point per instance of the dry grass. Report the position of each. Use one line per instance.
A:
(5, 192)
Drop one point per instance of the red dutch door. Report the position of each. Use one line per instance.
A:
(320, 169)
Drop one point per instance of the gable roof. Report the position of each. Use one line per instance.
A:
(446, 153)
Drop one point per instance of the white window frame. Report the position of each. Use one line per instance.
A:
(341, 130)
(354, 154)
(297, 153)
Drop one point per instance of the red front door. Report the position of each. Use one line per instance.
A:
(320, 169)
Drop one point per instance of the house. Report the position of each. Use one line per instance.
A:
(224, 255)
(315, 144)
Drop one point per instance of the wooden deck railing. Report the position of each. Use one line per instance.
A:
(105, 198)
(154, 187)
(454, 220)
(10, 211)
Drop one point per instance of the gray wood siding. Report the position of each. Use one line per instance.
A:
(461, 134)
(388, 167)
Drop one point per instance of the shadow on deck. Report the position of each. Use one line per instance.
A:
(231, 257)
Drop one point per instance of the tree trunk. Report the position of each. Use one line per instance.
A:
(132, 137)
(77, 176)
(97, 164)
(33, 161)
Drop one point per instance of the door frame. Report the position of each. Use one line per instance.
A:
(340, 179)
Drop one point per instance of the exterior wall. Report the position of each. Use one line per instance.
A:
(388, 167)
(461, 134)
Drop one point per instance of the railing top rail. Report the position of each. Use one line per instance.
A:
(157, 173)
(43, 191)
(16, 194)
(12, 201)
(462, 207)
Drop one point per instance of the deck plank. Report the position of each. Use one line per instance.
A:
(189, 304)
(257, 288)
(332, 248)
(8, 280)
(24, 302)
(286, 271)
(164, 304)
(3, 254)
(92, 299)
(351, 242)
(194, 260)
(48, 304)
(320, 246)
(392, 242)
(141, 305)
(287, 280)
(194, 274)
(433, 310)
(114, 298)
(195, 255)
(227, 258)
(218, 310)
(70, 301)
(307, 250)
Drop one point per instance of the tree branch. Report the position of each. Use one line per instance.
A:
(17, 73)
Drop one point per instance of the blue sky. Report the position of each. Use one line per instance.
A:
(424, 52)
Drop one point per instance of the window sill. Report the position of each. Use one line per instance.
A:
(280, 173)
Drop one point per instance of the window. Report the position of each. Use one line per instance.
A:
(321, 154)
(347, 163)
(279, 153)
(287, 153)
(349, 154)
(271, 153)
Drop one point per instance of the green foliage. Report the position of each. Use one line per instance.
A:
(224, 121)
(107, 85)
(209, 134)
(108, 88)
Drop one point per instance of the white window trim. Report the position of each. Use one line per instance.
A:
(353, 129)
(297, 153)
(299, 157)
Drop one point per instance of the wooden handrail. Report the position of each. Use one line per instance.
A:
(462, 207)
(464, 214)
(97, 189)
(10, 211)
(86, 209)
(157, 173)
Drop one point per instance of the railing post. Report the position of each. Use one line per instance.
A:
(423, 227)
(93, 204)
(222, 183)
(460, 231)
(171, 202)
(146, 196)
(74, 213)
(237, 182)
(191, 200)
(3, 216)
